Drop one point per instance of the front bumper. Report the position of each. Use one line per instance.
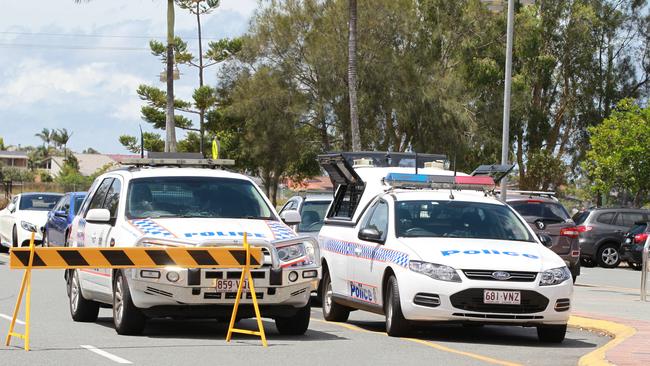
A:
(463, 302)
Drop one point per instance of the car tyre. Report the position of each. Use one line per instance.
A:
(396, 324)
(46, 241)
(609, 256)
(296, 324)
(81, 310)
(332, 311)
(551, 333)
(128, 319)
(14, 237)
(587, 262)
(635, 266)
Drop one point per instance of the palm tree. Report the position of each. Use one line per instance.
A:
(47, 136)
(61, 137)
(352, 75)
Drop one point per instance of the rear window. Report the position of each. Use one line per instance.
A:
(580, 217)
(547, 211)
(38, 202)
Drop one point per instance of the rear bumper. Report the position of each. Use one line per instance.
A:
(632, 253)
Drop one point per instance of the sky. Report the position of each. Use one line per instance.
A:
(77, 66)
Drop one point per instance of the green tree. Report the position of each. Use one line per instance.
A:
(620, 147)
(47, 136)
(61, 138)
(152, 142)
(2, 144)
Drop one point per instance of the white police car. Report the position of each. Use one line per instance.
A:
(146, 205)
(434, 247)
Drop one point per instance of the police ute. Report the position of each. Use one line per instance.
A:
(407, 239)
(171, 202)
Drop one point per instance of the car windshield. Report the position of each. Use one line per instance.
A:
(78, 200)
(458, 219)
(207, 197)
(547, 211)
(312, 216)
(38, 202)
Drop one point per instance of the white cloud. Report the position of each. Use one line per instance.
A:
(36, 81)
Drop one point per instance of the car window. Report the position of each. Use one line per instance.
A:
(458, 219)
(65, 204)
(84, 206)
(312, 216)
(195, 197)
(628, 219)
(378, 219)
(113, 198)
(38, 202)
(346, 200)
(580, 217)
(58, 205)
(605, 218)
(100, 195)
(291, 205)
(78, 201)
(549, 211)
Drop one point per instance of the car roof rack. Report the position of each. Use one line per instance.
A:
(427, 181)
(181, 160)
(549, 194)
(388, 159)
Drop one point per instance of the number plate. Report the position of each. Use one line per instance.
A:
(229, 285)
(501, 297)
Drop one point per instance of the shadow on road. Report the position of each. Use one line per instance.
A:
(495, 335)
(215, 330)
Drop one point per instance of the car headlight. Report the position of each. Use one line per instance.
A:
(28, 226)
(554, 276)
(435, 271)
(301, 254)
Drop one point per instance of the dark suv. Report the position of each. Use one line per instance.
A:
(601, 232)
(546, 215)
(632, 246)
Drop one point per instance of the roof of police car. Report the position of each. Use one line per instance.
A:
(178, 172)
(465, 195)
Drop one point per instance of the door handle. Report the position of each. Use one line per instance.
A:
(357, 251)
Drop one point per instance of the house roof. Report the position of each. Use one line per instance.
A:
(13, 154)
(88, 163)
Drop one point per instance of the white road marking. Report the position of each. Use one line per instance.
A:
(18, 321)
(103, 353)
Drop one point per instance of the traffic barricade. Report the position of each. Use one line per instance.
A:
(32, 258)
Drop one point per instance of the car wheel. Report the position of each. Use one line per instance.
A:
(14, 237)
(296, 324)
(635, 266)
(82, 310)
(128, 319)
(608, 256)
(332, 311)
(587, 262)
(551, 333)
(396, 324)
(46, 240)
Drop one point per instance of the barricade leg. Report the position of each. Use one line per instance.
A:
(246, 276)
(26, 283)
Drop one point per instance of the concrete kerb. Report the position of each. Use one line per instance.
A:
(618, 332)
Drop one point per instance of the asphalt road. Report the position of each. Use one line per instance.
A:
(57, 340)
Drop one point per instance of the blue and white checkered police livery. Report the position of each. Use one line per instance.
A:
(367, 252)
(280, 231)
(150, 227)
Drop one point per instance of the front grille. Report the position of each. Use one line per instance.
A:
(486, 275)
(472, 300)
(562, 305)
(498, 316)
(424, 299)
(232, 275)
(233, 295)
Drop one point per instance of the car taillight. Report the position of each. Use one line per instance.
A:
(571, 232)
(583, 228)
(640, 238)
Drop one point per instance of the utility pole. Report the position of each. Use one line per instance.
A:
(505, 143)
(352, 75)
(170, 125)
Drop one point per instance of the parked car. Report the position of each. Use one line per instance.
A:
(312, 207)
(632, 246)
(26, 212)
(601, 231)
(546, 215)
(60, 218)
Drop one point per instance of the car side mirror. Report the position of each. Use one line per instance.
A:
(98, 215)
(11, 207)
(370, 234)
(546, 240)
(291, 217)
(60, 214)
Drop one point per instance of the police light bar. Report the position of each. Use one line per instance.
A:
(177, 162)
(401, 180)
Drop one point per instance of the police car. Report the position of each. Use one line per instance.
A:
(153, 203)
(435, 246)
